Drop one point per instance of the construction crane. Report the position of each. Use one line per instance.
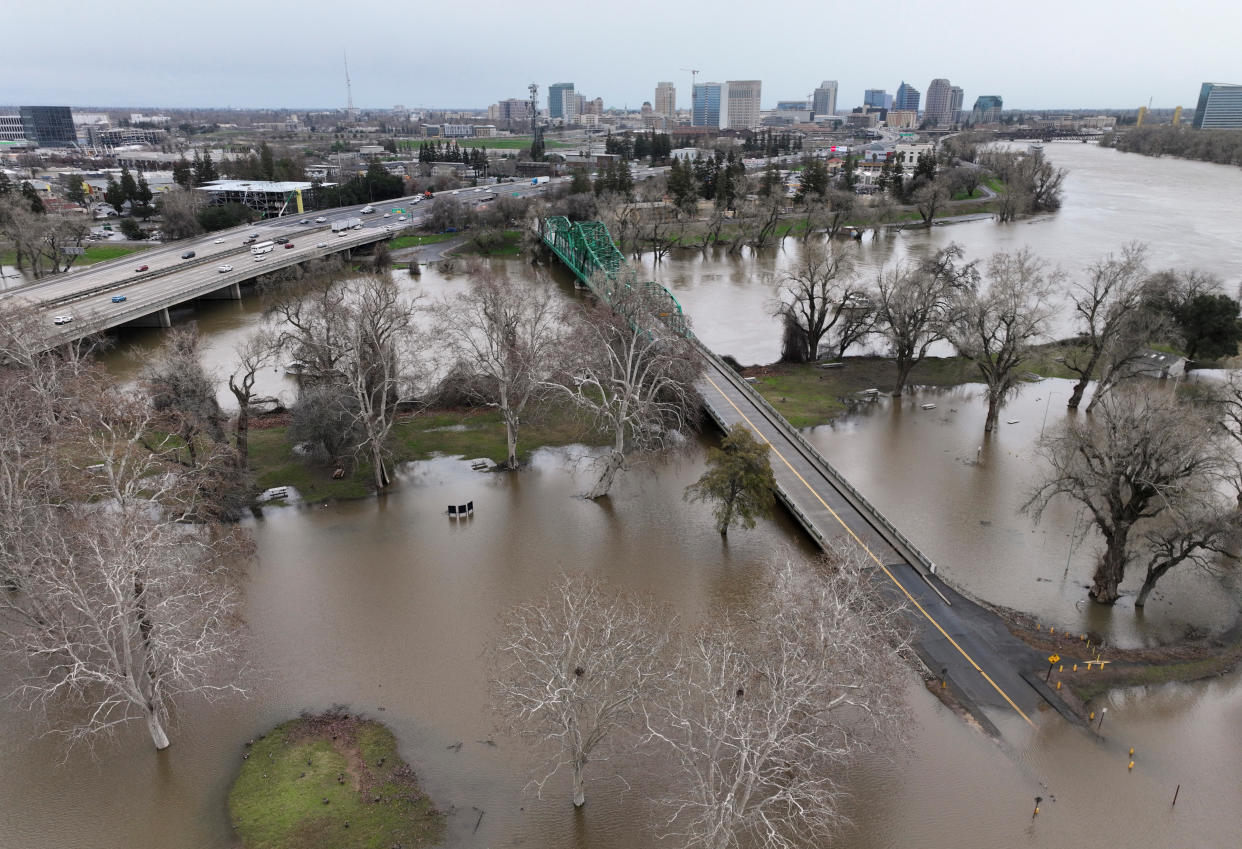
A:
(1143, 110)
(1177, 116)
(694, 77)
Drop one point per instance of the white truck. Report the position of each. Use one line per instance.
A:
(260, 248)
(539, 181)
(341, 225)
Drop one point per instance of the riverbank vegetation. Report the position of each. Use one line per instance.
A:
(1224, 147)
(330, 781)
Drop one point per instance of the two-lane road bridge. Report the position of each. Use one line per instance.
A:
(959, 640)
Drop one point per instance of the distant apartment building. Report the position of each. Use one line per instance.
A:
(153, 120)
(956, 96)
(665, 99)
(939, 96)
(824, 99)
(742, 99)
(987, 109)
(513, 113)
(1219, 108)
(49, 126)
(907, 97)
(561, 95)
(705, 105)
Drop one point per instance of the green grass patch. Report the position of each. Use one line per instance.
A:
(995, 184)
(465, 433)
(92, 255)
(421, 239)
(509, 244)
(334, 781)
(808, 395)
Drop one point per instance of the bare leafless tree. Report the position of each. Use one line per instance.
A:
(120, 596)
(818, 294)
(1143, 462)
(914, 306)
(996, 326)
(765, 711)
(183, 393)
(256, 351)
(506, 335)
(632, 377)
(1107, 306)
(179, 210)
(379, 363)
(929, 199)
(574, 669)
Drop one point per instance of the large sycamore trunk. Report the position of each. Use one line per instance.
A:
(612, 465)
(1111, 568)
(158, 736)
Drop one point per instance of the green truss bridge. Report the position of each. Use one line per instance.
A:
(964, 645)
(587, 249)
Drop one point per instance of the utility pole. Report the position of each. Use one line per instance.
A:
(349, 90)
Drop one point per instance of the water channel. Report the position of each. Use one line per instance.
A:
(386, 605)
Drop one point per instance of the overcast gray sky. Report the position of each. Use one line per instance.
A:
(469, 53)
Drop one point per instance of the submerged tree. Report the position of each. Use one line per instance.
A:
(738, 479)
(632, 377)
(1144, 463)
(506, 335)
(573, 670)
(997, 326)
(915, 306)
(764, 712)
(817, 296)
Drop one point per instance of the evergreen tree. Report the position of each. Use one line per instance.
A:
(143, 193)
(770, 184)
(267, 163)
(581, 182)
(849, 174)
(814, 179)
(624, 179)
(73, 191)
(925, 166)
(682, 186)
(128, 187)
(705, 169)
(114, 195)
(738, 479)
(6, 185)
(32, 198)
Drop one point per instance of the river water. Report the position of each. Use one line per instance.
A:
(386, 605)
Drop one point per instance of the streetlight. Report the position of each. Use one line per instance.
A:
(1046, 404)
(1101, 722)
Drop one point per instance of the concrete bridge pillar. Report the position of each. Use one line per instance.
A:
(231, 292)
(159, 318)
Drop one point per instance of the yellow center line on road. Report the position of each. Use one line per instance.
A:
(879, 563)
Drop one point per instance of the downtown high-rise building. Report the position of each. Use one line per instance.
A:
(907, 98)
(1219, 107)
(824, 100)
(561, 99)
(705, 105)
(49, 126)
(875, 98)
(741, 104)
(939, 97)
(665, 99)
(987, 109)
(956, 95)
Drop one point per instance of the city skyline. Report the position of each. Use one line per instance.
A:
(1113, 50)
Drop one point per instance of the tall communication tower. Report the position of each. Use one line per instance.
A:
(350, 111)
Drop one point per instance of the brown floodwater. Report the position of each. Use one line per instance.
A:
(386, 605)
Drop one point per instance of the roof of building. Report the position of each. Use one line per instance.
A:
(273, 187)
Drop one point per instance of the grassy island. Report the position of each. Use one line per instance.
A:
(334, 780)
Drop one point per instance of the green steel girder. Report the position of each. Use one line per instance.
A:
(587, 248)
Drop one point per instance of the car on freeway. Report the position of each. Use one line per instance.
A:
(118, 299)
(304, 221)
(225, 269)
(367, 210)
(322, 245)
(402, 218)
(280, 240)
(219, 242)
(188, 255)
(416, 199)
(142, 268)
(387, 215)
(320, 220)
(62, 319)
(288, 244)
(260, 258)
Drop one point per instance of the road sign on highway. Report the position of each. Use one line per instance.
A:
(73, 251)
